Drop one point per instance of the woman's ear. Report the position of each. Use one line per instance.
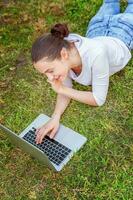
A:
(64, 53)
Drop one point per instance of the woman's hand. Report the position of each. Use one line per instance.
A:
(50, 128)
(57, 85)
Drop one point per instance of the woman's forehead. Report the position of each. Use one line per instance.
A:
(42, 63)
(47, 64)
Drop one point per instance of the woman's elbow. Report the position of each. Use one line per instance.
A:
(99, 102)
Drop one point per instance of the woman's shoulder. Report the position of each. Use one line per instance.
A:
(84, 42)
(73, 36)
(76, 38)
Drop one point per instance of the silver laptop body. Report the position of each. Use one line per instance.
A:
(65, 136)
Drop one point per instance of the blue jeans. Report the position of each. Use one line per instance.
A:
(110, 22)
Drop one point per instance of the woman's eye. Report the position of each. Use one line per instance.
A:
(50, 71)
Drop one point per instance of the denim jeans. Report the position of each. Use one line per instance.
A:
(110, 22)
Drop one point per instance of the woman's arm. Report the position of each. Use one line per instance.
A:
(62, 100)
(100, 83)
(81, 96)
(52, 126)
(61, 104)
(100, 77)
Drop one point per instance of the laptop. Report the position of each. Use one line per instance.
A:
(54, 153)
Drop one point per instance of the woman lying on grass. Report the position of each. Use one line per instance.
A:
(88, 60)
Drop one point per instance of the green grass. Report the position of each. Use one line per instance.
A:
(103, 168)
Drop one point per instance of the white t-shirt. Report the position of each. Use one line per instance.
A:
(101, 57)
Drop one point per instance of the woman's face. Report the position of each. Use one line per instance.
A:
(56, 69)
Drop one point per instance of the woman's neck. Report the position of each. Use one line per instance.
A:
(75, 59)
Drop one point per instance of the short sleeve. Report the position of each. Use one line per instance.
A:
(100, 77)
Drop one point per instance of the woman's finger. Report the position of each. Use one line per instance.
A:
(52, 133)
(39, 134)
(43, 135)
(37, 131)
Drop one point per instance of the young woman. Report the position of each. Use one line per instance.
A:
(89, 60)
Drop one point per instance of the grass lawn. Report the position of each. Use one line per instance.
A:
(103, 168)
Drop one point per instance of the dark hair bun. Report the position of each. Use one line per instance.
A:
(60, 30)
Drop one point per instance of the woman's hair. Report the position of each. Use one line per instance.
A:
(50, 45)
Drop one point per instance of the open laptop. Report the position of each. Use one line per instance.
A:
(54, 153)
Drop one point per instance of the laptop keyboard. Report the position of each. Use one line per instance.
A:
(55, 151)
